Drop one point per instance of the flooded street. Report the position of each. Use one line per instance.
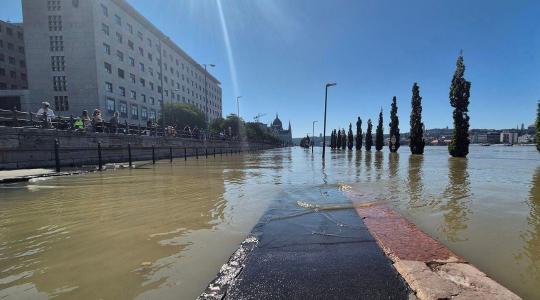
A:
(163, 231)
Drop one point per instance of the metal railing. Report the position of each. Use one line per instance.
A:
(14, 118)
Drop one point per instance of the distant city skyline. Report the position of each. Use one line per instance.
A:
(279, 54)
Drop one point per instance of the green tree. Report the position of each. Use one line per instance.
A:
(359, 134)
(369, 137)
(379, 134)
(234, 125)
(394, 127)
(459, 99)
(334, 139)
(338, 139)
(417, 142)
(181, 115)
(217, 125)
(538, 127)
(350, 138)
(343, 139)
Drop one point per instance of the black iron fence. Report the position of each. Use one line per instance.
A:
(14, 118)
(128, 154)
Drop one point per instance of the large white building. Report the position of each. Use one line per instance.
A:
(87, 54)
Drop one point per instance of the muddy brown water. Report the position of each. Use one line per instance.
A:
(163, 231)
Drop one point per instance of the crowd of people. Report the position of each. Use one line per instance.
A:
(96, 123)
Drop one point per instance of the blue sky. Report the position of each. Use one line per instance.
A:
(284, 51)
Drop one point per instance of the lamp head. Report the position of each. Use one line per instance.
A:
(331, 84)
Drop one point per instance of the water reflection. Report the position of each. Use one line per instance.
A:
(415, 185)
(456, 210)
(358, 164)
(367, 163)
(393, 167)
(378, 164)
(532, 238)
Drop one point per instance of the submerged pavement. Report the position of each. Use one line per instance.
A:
(308, 254)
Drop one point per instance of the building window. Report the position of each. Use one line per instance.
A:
(143, 96)
(132, 77)
(140, 35)
(2, 57)
(142, 81)
(151, 86)
(150, 57)
(120, 55)
(133, 95)
(55, 23)
(111, 105)
(132, 61)
(13, 74)
(134, 112)
(119, 37)
(123, 109)
(21, 49)
(153, 114)
(56, 43)
(122, 91)
(58, 63)
(131, 45)
(2, 72)
(152, 100)
(59, 83)
(118, 20)
(108, 87)
(9, 31)
(121, 73)
(144, 113)
(53, 5)
(61, 103)
(107, 49)
(105, 28)
(11, 60)
(105, 10)
(141, 67)
(151, 71)
(130, 28)
(10, 46)
(149, 41)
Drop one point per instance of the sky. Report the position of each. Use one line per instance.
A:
(279, 54)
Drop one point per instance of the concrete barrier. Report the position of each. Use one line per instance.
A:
(34, 148)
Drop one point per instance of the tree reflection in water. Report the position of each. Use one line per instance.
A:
(367, 160)
(456, 210)
(393, 167)
(532, 237)
(378, 164)
(416, 187)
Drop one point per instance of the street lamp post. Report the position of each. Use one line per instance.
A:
(325, 106)
(238, 106)
(313, 136)
(206, 89)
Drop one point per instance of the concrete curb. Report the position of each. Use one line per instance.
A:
(430, 268)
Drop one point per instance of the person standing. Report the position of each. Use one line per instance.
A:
(45, 113)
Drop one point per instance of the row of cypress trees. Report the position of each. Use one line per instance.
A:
(459, 100)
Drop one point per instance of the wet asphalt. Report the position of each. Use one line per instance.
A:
(310, 254)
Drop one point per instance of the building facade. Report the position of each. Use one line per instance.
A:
(103, 54)
(284, 135)
(13, 75)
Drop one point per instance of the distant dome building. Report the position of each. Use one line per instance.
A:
(284, 135)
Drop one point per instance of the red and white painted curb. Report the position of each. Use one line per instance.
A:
(430, 268)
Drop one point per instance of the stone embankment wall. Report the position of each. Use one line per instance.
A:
(35, 148)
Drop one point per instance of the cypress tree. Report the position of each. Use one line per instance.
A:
(350, 138)
(459, 99)
(359, 134)
(333, 139)
(338, 141)
(537, 125)
(394, 127)
(369, 138)
(417, 127)
(379, 135)
(343, 139)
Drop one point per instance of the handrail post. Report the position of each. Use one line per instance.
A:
(185, 153)
(214, 152)
(197, 152)
(170, 154)
(129, 155)
(100, 161)
(206, 152)
(153, 155)
(57, 155)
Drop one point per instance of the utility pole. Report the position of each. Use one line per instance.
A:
(325, 106)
